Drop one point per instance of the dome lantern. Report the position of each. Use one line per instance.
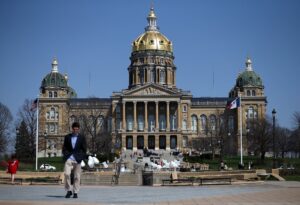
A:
(152, 39)
(151, 21)
(249, 65)
(54, 66)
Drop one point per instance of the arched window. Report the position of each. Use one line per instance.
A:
(253, 93)
(248, 93)
(81, 120)
(221, 120)
(184, 124)
(194, 123)
(152, 76)
(129, 121)
(72, 120)
(50, 94)
(251, 113)
(55, 94)
(162, 77)
(213, 122)
(203, 122)
(141, 75)
(101, 123)
(92, 123)
(185, 141)
(52, 113)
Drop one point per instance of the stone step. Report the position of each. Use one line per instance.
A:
(96, 179)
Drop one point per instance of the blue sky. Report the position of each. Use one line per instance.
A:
(92, 42)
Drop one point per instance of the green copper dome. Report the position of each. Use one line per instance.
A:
(248, 77)
(54, 80)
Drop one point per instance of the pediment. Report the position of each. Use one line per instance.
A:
(150, 90)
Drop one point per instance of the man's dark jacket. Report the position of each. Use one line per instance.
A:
(79, 151)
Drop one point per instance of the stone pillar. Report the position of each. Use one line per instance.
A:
(156, 142)
(134, 142)
(167, 142)
(178, 116)
(134, 116)
(146, 116)
(168, 116)
(156, 116)
(113, 115)
(123, 142)
(174, 77)
(145, 140)
(124, 116)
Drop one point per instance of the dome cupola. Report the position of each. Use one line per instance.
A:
(54, 79)
(152, 39)
(249, 77)
(55, 84)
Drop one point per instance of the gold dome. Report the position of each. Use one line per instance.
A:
(152, 40)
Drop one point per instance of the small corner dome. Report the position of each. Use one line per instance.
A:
(54, 79)
(249, 78)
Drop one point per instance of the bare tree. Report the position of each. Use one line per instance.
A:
(5, 120)
(27, 127)
(282, 140)
(95, 127)
(260, 137)
(295, 136)
(296, 119)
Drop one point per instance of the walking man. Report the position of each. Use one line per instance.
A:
(74, 151)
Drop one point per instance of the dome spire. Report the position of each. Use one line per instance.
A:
(54, 66)
(151, 21)
(249, 64)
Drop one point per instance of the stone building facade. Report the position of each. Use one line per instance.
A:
(152, 112)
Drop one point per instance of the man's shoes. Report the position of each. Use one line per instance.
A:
(75, 196)
(69, 194)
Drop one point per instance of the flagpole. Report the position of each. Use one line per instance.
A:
(241, 127)
(37, 135)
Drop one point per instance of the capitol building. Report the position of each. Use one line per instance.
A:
(152, 112)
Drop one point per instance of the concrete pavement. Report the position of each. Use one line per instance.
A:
(267, 193)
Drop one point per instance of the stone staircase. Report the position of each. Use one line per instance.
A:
(130, 158)
(130, 179)
(97, 178)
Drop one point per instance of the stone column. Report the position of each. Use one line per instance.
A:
(156, 142)
(134, 142)
(156, 116)
(178, 116)
(168, 116)
(146, 116)
(145, 140)
(124, 115)
(123, 138)
(134, 116)
(174, 77)
(168, 142)
(113, 115)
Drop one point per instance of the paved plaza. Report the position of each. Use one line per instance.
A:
(267, 193)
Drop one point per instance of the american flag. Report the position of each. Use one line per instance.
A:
(34, 104)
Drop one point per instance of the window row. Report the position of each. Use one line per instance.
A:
(52, 114)
(251, 93)
(92, 123)
(211, 123)
(52, 94)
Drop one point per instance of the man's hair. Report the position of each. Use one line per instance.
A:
(75, 124)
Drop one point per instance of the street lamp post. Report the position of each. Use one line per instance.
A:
(273, 134)
(45, 136)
